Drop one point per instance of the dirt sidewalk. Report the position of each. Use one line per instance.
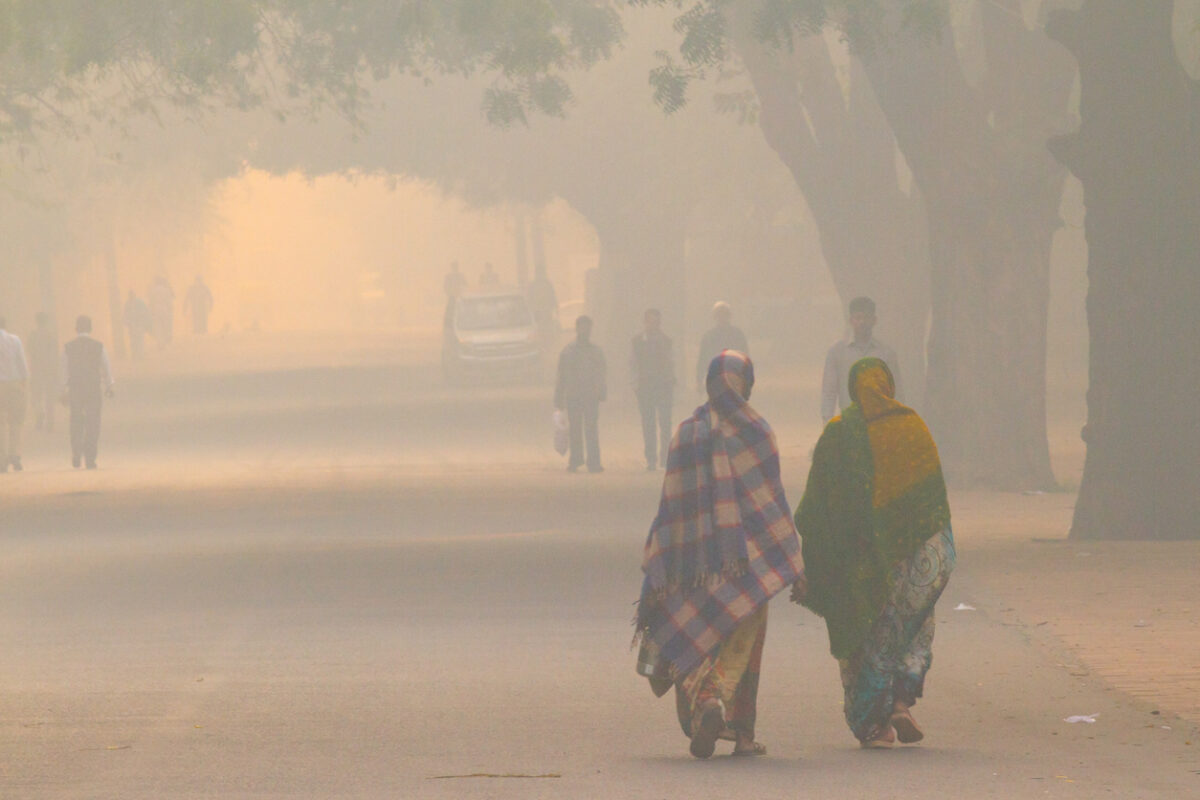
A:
(1125, 611)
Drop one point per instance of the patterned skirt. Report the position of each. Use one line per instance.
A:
(730, 676)
(891, 665)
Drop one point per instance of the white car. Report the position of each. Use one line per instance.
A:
(491, 333)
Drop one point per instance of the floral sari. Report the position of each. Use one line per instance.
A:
(878, 547)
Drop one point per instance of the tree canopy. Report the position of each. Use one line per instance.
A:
(295, 54)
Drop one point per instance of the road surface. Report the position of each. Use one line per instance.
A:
(344, 582)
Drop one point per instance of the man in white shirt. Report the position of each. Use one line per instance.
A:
(14, 376)
(835, 386)
(88, 379)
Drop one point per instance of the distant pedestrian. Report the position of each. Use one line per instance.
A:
(139, 323)
(653, 368)
(199, 303)
(14, 378)
(835, 388)
(490, 278)
(88, 379)
(878, 551)
(162, 310)
(43, 371)
(722, 545)
(723, 335)
(582, 384)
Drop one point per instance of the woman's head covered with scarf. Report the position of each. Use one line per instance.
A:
(730, 380)
(873, 388)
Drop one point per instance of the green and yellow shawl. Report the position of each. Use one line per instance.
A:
(875, 493)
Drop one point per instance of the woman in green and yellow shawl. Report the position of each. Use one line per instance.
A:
(878, 551)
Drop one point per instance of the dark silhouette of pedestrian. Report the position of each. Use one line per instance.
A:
(88, 381)
(653, 371)
(580, 388)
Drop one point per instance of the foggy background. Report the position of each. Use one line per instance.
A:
(310, 565)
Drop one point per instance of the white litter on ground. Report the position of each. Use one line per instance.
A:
(1088, 718)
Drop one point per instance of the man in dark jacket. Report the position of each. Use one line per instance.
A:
(581, 385)
(654, 383)
(88, 380)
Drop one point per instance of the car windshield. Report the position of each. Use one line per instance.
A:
(487, 313)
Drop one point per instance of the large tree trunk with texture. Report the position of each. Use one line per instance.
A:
(992, 203)
(842, 155)
(1137, 154)
(987, 346)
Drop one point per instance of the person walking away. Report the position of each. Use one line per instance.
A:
(878, 551)
(860, 344)
(139, 323)
(88, 380)
(580, 387)
(14, 377)
(43, 371)
(723, 335)
(722, 545)
(654, 384)
(199, 301)
(162, 310)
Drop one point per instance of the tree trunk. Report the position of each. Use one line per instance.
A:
(1137, 154)
(842, 155)
(987, 346)
(992, 205)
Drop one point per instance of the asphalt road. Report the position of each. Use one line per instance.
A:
(344, 583)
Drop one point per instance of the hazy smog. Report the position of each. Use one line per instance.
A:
(373, 373)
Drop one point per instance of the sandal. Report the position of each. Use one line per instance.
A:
(707, 730)
(906, 728)
(884, 740)
(755, 749)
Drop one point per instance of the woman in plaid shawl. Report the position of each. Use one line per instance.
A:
(878, 551)
(722, 545)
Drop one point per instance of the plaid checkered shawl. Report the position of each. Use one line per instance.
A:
(723, 542)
